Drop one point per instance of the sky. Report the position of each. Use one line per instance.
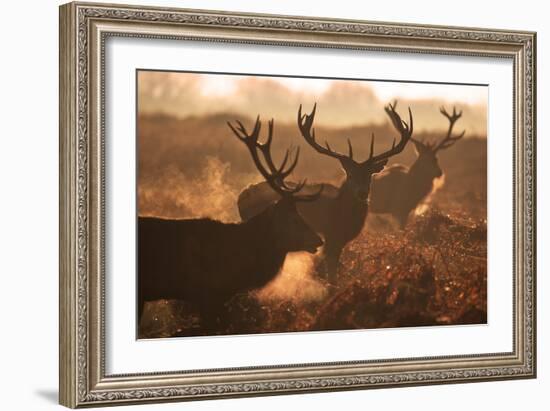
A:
(226, 85)
(341, 103)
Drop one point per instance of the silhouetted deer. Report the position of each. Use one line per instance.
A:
(339, 214)
(206, 262)
(398, 190)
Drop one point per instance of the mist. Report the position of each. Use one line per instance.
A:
(341, 103)
(295, 282)
(196, 167)
(191, 165)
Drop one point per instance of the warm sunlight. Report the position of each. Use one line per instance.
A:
(340, 103)
(225, 85)
(219, 85)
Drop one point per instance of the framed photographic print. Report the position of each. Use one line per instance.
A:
(259, 204)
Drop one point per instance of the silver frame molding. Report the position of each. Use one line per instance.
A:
(84, 27)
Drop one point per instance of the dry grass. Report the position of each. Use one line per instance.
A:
(432, 273)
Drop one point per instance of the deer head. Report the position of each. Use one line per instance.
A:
(292, 232)
(427, 152)
(358, 174)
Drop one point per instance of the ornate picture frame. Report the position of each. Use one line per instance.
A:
(84, 30)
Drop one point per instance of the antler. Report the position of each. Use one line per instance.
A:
(275, 176)
(449, 139)
(305, 123)
(405, 130)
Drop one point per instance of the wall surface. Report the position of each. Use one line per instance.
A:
(28, 217)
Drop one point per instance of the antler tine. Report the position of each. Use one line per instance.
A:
(285, 173)
(449, 139)
(371, 146)
(279, 172)
(242, 134)
(306, 120)
(285, 160)
(305, 123)
(265, 148)
(273, 175)
(301, 117)
(311, 116)
(402, 127)
(255, 131)
(392, 106)
(452, 117)
(235, 131)
(250, 141)
(350, 155)
(276, 172)
(411, 124)
(308, 197)
(269, 134)
(299, 186)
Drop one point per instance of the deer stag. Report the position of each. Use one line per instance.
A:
(206, 262)
(339, 214)
(400, 189)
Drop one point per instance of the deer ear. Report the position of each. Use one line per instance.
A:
(379, 166)
(347, 165)
(418, 147)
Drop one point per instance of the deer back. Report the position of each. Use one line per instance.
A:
(389, 189)
(257, 197)
(178, 258)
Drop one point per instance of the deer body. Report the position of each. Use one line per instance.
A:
(340, 212)
(206, 262)
(398, 190)
(347, 215)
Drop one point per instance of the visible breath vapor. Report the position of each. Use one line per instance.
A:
(190, 165)
(295, 282)
(173, 194)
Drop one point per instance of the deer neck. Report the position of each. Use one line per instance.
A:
(349, 203)
(420, 182)
(262, 225)
(261, 242)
